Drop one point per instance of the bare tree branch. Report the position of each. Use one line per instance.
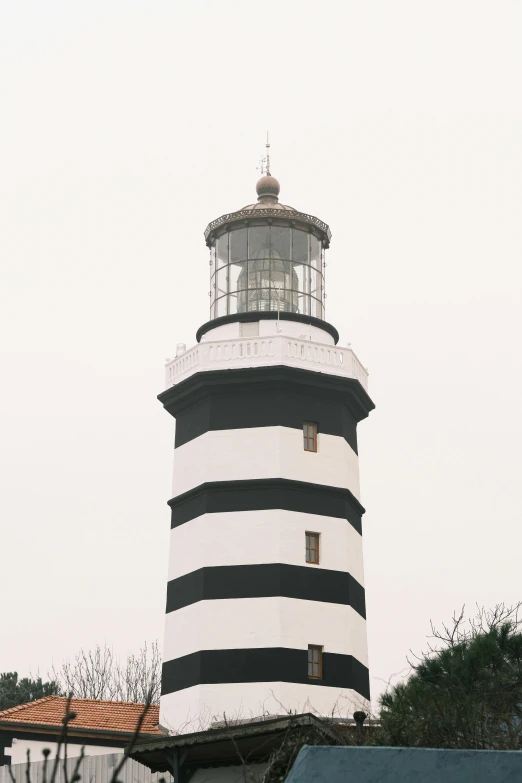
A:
(98, 674)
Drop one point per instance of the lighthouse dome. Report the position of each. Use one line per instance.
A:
(268, 186)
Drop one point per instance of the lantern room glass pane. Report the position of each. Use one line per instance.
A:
(315, 252)
(315, 278)
(221, 307)
(221, 281)
(316, 309)
(299, 272)
(259, 242)
(280, 242)
(259, 300)
(238, 245)
(222, 250)
(233, 304)
(306, 280)
(237, 276)
(281, 274)
(299, 246)
(259, 285)
(259, 273)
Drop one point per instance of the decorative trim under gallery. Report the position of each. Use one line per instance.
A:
(261, 494)
(268, 664)
(266, 580)
(270, 315)
(266, 397)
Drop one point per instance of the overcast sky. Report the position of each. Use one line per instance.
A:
(125, 127)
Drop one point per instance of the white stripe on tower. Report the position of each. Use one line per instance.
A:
(264, 452)
(196, 708)
(269, 536)
(239, 623)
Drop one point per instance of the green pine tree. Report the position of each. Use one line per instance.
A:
(464, 693)
(14, 691)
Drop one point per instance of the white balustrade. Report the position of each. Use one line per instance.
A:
(266, 351)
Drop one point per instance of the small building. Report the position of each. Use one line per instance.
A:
(237, 752)
(100, 727)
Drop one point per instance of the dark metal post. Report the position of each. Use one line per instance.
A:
(176, 760)
(359, 718)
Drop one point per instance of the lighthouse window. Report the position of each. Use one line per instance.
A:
(312, 548)
(310, 436)
(315, 661)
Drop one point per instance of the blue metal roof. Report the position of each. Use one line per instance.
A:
(405, 765)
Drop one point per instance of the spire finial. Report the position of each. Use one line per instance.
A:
(268, 187)
(267, 145)
(264, 163)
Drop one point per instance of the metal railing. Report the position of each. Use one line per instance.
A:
(265, 351)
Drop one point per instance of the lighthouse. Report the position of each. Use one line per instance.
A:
(265, 610)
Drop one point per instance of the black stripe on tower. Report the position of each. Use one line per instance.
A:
(262, 494)
(266, 397)
(265, 581)
(267, 664)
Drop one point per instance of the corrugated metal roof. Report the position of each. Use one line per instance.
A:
(219, 746)
(405, 765)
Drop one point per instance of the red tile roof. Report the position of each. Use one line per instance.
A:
(94, 714)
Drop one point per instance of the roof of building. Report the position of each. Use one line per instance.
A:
(269, 207)
(225, 745)
(405, 765)
(91, 715)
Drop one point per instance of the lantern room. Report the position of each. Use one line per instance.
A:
(267, 257)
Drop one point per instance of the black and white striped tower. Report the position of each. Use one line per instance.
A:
(265, 596)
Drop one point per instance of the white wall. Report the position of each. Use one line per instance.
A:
(264, 452)
(93, 769)
(99, 770)
(268, 327)
(236, 623)
(193, 709)
(20, 746)
(271, 536)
